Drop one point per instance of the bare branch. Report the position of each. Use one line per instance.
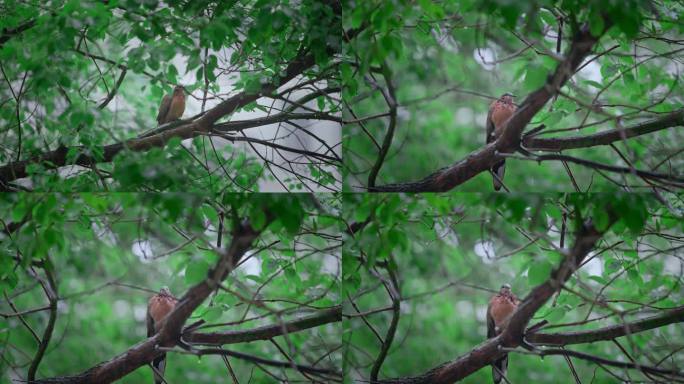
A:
(603, 361)
(673, 119)
(50, 289)
(391, 100)
(608, 333)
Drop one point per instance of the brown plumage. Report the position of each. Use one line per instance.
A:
(501, 307)
(172, 106)
(499, 112)
(158, 307)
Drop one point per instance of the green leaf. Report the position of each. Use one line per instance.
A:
(510, 14)
(257, 218)
(593, 84)
(172, 74)
(596, 23)
(213, 313)
(553, 118)
(601, 218)
(199, 75)
(556, 314)
(539, 272)
(193, 62)
(19, 211)
(535, 77)
(598, 279)
(196, 271)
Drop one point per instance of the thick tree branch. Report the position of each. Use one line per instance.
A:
(673, 119)
(8, 33)
(392, 287)
(483, 159)
(391, 100)
(50, 289)
(608, 333)
(266, 332)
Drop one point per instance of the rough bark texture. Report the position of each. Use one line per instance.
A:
(673, 119)
(610, 332)
(266, 332)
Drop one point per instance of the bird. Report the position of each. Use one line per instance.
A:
(501, 307)
(172, 106)
(158, 307)
(500, 111)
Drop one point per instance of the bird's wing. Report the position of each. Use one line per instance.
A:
(164, 109)
(491, 328)
(177, 107)
(150, 323)
(490, 124)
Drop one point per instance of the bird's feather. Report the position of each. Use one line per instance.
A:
(501, 307)
(160, 366)
(499, 369)
(164, 109)
(490, 126)
(150, 324)
(491, 328)
(177, 107)
(158, 307)
(498, 169)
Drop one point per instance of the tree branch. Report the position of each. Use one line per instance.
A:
(608, 333)
(673, 119)
(256, 359)
(266, 332)
(603, 361)
(392, 287)
(239, 125)
(50, 289)
(391, 100)
(8, 33)
(606, 167)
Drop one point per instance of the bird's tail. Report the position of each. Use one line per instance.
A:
(159, 365)
(498, 171)
(499, 369)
